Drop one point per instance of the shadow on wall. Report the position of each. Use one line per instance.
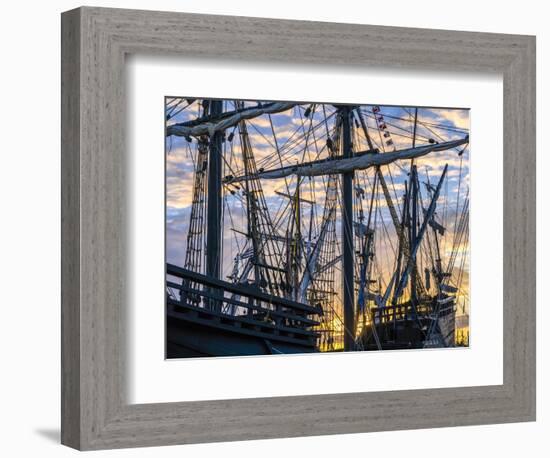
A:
(53, 435)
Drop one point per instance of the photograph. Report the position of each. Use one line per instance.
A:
(303, 227)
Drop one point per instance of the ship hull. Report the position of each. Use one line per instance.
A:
(446, 329)
(433, 327)
(189, 336)
(210, 317)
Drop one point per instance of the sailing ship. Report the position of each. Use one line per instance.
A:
(330, 235)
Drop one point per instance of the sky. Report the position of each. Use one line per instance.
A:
(295, 136)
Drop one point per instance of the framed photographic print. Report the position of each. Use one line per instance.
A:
(330, 226)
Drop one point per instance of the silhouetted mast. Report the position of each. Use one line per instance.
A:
(214, 207)
(348, 269)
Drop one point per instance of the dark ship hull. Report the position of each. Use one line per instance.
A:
(190, 336)
(199, 325)
(196, 332)
(431, 325)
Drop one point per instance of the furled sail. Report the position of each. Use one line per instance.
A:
(211, 125)
(360, 161)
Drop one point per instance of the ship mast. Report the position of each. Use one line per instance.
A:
(214, 206)
(348, 268)
(214, 202)
(413, 233)
(415, 244)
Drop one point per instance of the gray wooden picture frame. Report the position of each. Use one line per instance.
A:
(95, 412)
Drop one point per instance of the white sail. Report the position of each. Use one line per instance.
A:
(360, 161)
(227, 121)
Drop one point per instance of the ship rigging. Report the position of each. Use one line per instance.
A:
(315, 227)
